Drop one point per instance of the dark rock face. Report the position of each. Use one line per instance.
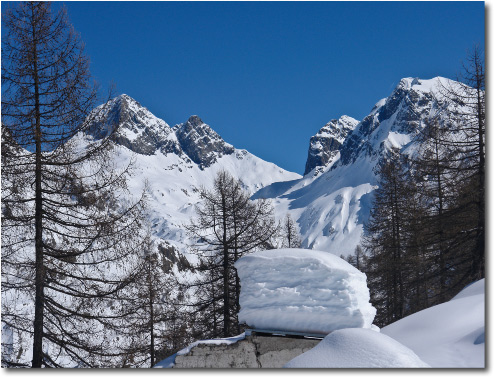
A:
(404, 110)
(324, 146)
(357, 140)
(140, 131)
(203, 145)
(137, 129)
(170, 257)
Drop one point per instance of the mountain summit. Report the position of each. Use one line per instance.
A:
(201, 143)
(143, 133)
(332, 204)
(138, 129)
(173, 162)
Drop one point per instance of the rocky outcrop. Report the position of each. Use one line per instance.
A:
(203, 145)
(137, 128)
(331, 204)
(324, 146)
(140, 131)
(403, 112)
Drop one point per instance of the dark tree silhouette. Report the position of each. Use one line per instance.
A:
(290, 234)
(67, 237)
(385, 240)
(427, 245)
(468, 98)
(228, 226)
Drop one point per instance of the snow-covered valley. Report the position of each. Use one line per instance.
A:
(173, 163)
(330, 203)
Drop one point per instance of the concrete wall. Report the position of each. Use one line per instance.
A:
(252, 352)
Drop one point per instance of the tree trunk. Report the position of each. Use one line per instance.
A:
(151, 312)
(226, 287)
(38, 220)
(479, 254)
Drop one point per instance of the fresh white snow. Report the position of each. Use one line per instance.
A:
(357, 348)
(174, 184)
(173, 181)
(303, 291)
(449, 335)
(331, 203)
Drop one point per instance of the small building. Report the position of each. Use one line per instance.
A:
(290, 299)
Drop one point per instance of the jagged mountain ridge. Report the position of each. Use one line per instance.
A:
(201, 143)
(174, 162)
(332, 202)
(143, 133)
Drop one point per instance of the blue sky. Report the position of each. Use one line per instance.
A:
(268, 75)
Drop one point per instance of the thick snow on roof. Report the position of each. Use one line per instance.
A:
(357, 348)
(449, 335)
(303, 291)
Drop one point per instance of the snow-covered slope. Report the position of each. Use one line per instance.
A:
(175, 161)
(332, 201)
(449, 335)
(357, 348)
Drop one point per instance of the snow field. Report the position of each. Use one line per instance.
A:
(173, 186)
(357, 348)
(303, 291)
(448, 335)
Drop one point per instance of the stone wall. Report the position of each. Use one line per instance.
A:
(254, 351)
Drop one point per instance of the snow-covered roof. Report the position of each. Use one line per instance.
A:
(303, 291)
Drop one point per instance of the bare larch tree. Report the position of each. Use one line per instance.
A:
(67, 233)
(228, 226)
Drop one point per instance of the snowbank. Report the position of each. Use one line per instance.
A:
(357, 348)
(302, 290)
(449, 335)
(169, 362)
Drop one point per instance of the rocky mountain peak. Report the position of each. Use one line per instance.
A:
(139, 130)
(123, 100)
(142, 132)
(324, 146)
(401, 113)
(195, 121)
(200, 142)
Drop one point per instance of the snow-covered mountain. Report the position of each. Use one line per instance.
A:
(332, 201)
(174, 162)
(145, 134)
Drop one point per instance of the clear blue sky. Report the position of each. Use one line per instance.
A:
(268, 75)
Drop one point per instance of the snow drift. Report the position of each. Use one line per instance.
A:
(449, 335)
(303, 291)
(357, 348)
